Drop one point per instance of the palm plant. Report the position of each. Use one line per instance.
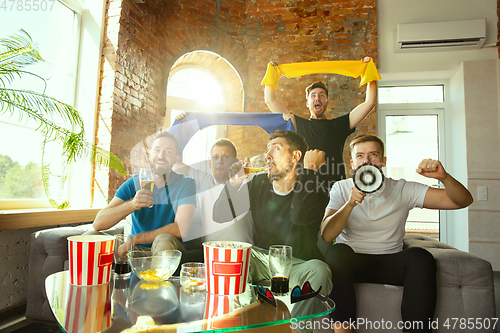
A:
(16, 53)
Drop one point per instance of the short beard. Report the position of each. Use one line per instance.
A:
(162, 171)
(281, 173)
(276, 176)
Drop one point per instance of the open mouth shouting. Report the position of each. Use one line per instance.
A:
(318, 107)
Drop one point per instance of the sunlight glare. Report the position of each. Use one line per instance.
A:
(195, 84)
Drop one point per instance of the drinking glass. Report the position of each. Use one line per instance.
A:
(146, 177)
(280, 265)
(257, 163)
(254, 164)
(123, 244)
(193, 276)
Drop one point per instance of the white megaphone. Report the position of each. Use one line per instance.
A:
(368, 178)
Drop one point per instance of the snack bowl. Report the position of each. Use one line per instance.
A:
(155, 266)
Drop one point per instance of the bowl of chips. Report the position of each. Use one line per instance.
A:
(155, 266)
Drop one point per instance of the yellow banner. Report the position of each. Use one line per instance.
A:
(353, 68)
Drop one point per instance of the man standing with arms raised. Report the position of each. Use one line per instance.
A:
(321, 133)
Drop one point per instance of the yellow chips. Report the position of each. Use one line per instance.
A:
(157, 275)
(153, 286)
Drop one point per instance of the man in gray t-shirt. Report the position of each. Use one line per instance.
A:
(208, 187)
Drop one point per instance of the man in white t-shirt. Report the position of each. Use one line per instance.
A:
(208, 187)
(369, 231)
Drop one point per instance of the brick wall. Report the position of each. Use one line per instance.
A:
(132, 93)
(144, 41)
(299, 31)
(216, 26)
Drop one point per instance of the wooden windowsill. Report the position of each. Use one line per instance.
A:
(32, 218)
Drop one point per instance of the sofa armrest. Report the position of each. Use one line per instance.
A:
(455, 267)
(464, 280)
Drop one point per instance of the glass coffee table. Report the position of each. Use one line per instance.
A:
(129, 305)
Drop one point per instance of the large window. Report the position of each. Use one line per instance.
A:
(54, 30)
(55, 26)
(412, 131)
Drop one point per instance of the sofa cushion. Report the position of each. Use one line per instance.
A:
(464, 289)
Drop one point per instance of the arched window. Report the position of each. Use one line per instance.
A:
(194, 88)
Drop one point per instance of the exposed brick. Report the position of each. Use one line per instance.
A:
(248, 34)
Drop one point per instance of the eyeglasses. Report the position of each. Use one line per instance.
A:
(297, 294)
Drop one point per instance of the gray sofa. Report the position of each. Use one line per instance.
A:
(464, 290)
(465, 283)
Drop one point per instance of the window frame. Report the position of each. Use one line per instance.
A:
(438, 109)
(86, 55)
(189, 104)
(413, 85)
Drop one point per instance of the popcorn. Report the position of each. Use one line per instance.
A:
(227, 265)
(226, 245)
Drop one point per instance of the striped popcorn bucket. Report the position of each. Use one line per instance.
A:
(88, 309)
(90, 259)
(226, 266)
(220, 312)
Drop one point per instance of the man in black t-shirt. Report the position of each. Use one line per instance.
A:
(328, 135)
(286, 208)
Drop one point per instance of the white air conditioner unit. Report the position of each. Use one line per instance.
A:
(441, 36)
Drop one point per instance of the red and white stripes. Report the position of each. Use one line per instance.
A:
(90, 259)
(88, 309)
(217, 309)
(226, 267)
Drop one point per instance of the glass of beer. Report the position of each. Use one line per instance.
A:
(280, 265)
(254, 164)
(146, 177)
(123, 244)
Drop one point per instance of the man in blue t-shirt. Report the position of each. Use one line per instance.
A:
(159, 218)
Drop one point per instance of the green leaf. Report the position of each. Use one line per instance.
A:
(16, 52)
(58, 122)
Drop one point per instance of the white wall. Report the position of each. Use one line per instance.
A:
(444, 67)
(456, 230)
(430, 65)
(483, 156)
